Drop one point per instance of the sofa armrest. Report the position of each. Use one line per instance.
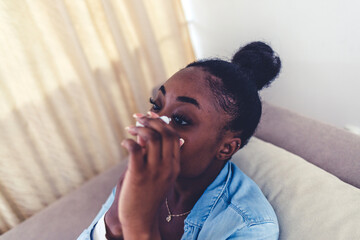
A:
(69, 216)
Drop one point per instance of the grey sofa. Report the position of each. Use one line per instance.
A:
(334, 150)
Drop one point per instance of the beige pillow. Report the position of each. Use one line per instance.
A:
(310, 203)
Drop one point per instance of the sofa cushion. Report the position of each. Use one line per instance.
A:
(310, 203)
(334, 150)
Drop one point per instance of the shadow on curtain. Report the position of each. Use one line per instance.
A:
(71, 75)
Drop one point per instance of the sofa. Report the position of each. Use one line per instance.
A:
(308, 170)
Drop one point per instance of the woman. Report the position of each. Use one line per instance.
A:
(180, 183)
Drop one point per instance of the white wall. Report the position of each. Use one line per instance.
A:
(317, 40)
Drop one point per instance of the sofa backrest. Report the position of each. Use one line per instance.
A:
(334, 150)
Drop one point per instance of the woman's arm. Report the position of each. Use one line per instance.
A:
(152, 170)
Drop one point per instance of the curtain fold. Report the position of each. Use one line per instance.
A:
(71, 75)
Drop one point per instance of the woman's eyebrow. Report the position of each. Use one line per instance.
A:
(188, 100)
(162, 89)
(182, 98)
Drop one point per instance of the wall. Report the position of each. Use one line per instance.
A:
(318, 42)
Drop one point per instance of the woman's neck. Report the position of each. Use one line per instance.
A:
(187, 191)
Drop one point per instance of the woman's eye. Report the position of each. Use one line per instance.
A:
(180, 120)
(154, 107)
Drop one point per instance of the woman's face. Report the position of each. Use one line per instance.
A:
(187, 99)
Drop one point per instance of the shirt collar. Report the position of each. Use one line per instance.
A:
(209, 198)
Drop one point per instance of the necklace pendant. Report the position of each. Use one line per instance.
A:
(168, 218)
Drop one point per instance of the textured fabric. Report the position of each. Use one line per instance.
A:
(334, 150)
(71, 75)
(309, 202)
(232, 207)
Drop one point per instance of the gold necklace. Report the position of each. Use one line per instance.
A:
(168, 218)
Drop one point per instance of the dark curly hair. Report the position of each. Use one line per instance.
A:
(235, 85)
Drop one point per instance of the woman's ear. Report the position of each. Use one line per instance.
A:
(228, 148)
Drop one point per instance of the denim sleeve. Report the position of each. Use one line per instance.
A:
(263, 231)
(87, 233)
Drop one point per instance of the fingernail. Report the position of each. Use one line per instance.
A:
(182, 141)
(130, 128)
(137, 115)
(141, 120)
(152, 114)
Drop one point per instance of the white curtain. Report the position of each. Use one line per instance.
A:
(71, 75)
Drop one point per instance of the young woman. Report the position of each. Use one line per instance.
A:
(179, 183)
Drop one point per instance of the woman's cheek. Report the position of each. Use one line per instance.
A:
(193, 159)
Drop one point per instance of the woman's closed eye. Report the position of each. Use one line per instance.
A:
(180, 120)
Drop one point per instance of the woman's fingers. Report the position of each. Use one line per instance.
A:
(159, 161)
(153, 143)
(161, 144)
(136, 155)
(160, 126)
(152, 114)
(170, 145)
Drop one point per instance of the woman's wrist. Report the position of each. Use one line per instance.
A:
(152, 233)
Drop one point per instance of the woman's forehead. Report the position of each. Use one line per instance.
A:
(193, 82)
(189, 81)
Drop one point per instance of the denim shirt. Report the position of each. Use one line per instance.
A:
(232, 207)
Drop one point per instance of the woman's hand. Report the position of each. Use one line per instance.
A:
(152, 170)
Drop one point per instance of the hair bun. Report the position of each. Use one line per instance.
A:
(259, 61)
